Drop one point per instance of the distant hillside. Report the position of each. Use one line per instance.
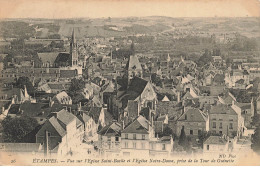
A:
(87, 30)
(146, 29)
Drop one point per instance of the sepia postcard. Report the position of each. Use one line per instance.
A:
(130, 83)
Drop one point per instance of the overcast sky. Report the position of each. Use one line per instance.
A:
(120, 8)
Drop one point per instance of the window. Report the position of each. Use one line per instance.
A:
(220, 125)
(199, 132)
(143, 137)
(185, 117)
(134, 145)
(126, 144)
(191, 132)
(117, 138)
(49, 134)
(220, 132)
(134, 136)
(163, 147)
(126, 136)
(231, 126)
(214, 124)
(207, 147)
(152, 146)
(143, 145)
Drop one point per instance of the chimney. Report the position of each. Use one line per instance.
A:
(3, 109)
(178, 96)
(123, 124)
(65, 107)
(79, 106)
(70, 109)
(50, 102)
(81, 113)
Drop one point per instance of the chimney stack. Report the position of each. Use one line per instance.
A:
(50, 102)
(123, 124)
(178, 97)
(79, 106)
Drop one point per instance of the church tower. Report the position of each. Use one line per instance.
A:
(134, 68)
(73, 50)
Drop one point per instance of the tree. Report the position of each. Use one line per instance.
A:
(202, 137)
(255, 120)
(256, 140)
(156, 80)
(15, 129)
(25, 81)
(76, 85)
(167, 131)
(183, 139)
(205, 58)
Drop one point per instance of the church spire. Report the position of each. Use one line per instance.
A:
(73, 38)
(73, 50)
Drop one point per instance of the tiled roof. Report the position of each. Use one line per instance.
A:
(62, 57)
(133, 63)
(84, 117)
(219, 78)
(222, 109)
(136, 87)
(56, 86)
(108, 116)
(193, 115)
(68, 73)
(244, 105)
(61, 96)
(94, 112)
(57, 126)
(228, 98)
(145, 111)
(112, 129)
(216, 140)
(48, 57)
(65, 117)
(139, 125)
